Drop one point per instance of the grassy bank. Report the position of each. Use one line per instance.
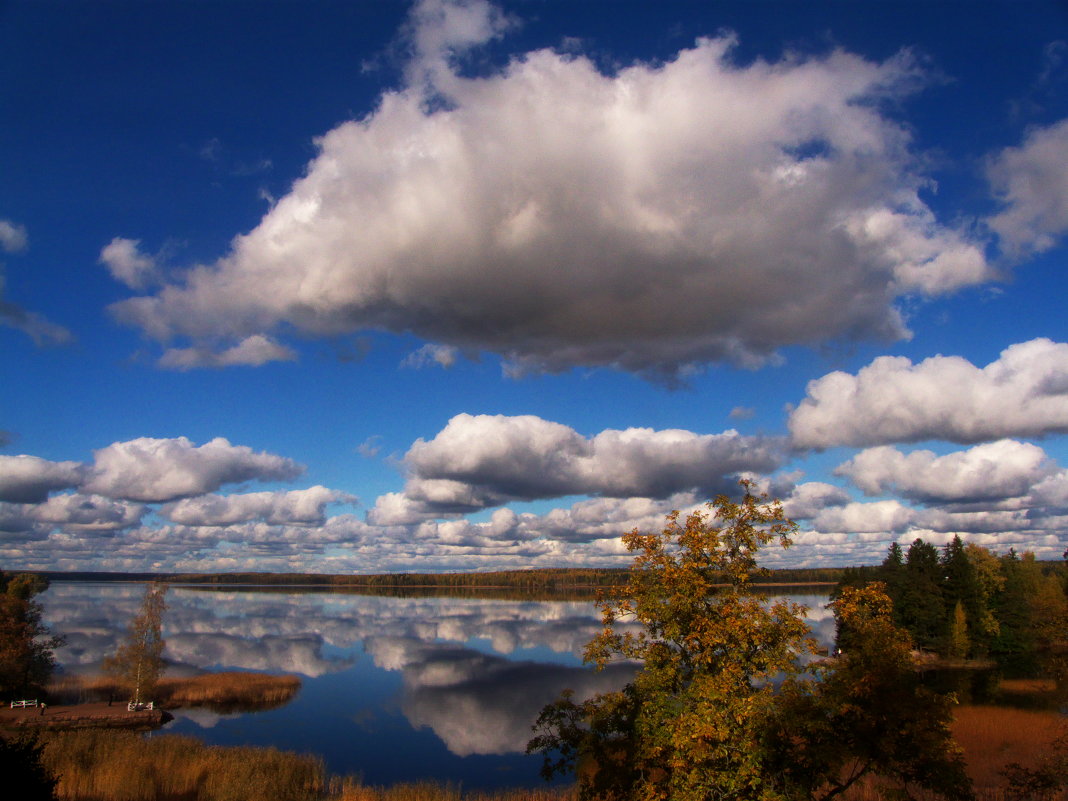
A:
(122, 766)
(222, 692)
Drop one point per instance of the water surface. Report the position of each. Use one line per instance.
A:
(394, 688)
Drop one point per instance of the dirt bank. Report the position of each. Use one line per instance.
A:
(82, 716)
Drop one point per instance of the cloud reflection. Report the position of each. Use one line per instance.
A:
(474, 671)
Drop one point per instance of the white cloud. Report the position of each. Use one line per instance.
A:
(438, 31)
(807, 500)
(1032, 183)
(877, 517)
(660, 217)
(484, 460)
(1022, 394)
(254, 351)
(29, 479)
(13, 237)
(297, 507)
(128, 264)
(992, 471)
(153, 470)
(430, 355)
(88, 513)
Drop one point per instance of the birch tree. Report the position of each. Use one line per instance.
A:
(138, 662)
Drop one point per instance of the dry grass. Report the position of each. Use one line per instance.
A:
(228, 690)
(1027, 685)
(431, 791)
(224, 692)
(121, 766)
(992, 737)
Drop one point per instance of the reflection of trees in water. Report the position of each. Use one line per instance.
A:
(479, 703)
(476, 703)
(274, 631)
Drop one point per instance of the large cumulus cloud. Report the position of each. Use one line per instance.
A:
(296, 507)
(29, 479)
(1024, 393)
(649, 219)
(995, 470)
(478, 461)
(148, 469)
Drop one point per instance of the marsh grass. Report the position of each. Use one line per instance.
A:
(229, 691)
(222, 692)
(433, 791)
(992, 737)
(121, 766)
(1027, 685)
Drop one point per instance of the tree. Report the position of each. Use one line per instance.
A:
(27, 647)
(957, 642)
(866, 714)
(918, 605)
(22, 764)
(691, 718)
(138, 662)
(720, 707)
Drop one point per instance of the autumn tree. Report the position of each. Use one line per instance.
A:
(866, 714)
(721, 706)
(709, 648)
(138, 662)
(27, 647)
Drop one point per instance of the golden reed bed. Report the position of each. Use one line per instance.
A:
(121, 766)
(229, 691)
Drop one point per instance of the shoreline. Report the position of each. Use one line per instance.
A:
(94, 715)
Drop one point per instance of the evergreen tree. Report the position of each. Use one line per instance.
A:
(960, 589)
(1014, 645)
(919, 607)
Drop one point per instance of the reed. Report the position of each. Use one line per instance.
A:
(992, 737)
(121, 766)
(224, 692)
(230, 691)
(350, 790)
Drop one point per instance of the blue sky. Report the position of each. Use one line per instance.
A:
(459, 285)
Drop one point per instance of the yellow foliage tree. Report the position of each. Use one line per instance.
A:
(721, 707)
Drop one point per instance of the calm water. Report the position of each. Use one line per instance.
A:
(394, 689)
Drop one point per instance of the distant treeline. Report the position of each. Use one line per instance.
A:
(541, 579)
(95, 575)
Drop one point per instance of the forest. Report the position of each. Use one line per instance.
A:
(965, 602)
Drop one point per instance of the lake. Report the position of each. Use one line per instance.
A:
(394, 688)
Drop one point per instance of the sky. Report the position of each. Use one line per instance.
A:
(460, 285)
